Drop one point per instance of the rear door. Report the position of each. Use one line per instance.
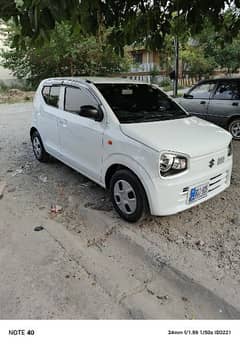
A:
(225, 102)
(81, 138)
(47, 121)
(197, 100)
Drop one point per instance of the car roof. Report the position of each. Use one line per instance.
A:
(96, 80)
(218, 79)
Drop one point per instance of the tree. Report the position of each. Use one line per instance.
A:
(212, 47)
(220, 45)
(131, 20)
(67, 53)
(195, 63)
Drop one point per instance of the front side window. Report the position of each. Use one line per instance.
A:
(140, 103)
(75, 98)
(203, 90)
(227, 90)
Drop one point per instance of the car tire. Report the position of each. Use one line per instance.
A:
(128, 195)
(234, 129)
(38, 148)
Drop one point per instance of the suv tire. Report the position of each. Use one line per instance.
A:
(234, 128)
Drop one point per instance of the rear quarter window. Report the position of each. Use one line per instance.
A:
(51, 95)
(45, 93)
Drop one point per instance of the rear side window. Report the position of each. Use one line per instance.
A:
(54, 96)
(228, 90)
(51, 95)
(75, 98)
(45, 93)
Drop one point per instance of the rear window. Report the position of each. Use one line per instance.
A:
(51, 95)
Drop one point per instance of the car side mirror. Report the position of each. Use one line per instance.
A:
(91, 112)
(188, 96)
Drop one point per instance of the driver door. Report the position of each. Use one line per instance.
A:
(81, 138)
(196, 101)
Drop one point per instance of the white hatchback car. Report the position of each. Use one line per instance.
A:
(131, 138)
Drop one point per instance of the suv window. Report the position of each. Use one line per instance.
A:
(228, 90)
(51, 95)
(75, 98)
(203, 90)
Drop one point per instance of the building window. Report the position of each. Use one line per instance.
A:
(137, 57)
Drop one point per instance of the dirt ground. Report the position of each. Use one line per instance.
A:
(88, 263)
(15, 96)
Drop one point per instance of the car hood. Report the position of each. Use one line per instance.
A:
(190, 135)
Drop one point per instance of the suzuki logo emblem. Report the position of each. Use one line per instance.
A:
(211, 163)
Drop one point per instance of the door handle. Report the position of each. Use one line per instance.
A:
(235, 104)
(203, 102)
(63, 123)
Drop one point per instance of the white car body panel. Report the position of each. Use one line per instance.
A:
(84, 145)
(190, 135)
(81, 143)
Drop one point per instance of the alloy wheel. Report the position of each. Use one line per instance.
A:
(37, 147)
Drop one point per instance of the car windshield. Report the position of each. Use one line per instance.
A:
(140, 103)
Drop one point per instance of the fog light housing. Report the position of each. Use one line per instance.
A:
(172, 163)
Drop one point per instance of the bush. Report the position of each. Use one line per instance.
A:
(165, 83)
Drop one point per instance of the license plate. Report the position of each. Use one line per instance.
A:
(198, 192)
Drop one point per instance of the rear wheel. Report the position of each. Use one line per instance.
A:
(38, 148)
(234, 129)
(128, 196)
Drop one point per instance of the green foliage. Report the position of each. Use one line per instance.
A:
(166, 84)
(3, 87)
(229, 56)
(131, 20)
(195, 63)
(214, 47)
(221, 44)
(67, 53)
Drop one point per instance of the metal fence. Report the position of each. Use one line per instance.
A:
(156, 78)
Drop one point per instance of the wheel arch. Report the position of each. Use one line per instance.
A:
(117, 166)
(232, 118)
(32, 130)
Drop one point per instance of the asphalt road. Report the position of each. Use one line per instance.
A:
(86, 263)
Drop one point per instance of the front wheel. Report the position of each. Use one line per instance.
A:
(38, 148)
(128, 196)
(234, 129)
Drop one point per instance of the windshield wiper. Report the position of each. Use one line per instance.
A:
(132, 119)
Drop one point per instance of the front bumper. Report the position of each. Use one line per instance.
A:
(170, 196)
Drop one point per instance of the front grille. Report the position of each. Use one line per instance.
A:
(217, 181)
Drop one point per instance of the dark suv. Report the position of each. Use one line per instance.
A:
(217, 101)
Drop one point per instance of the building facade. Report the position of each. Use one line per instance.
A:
(144, 60)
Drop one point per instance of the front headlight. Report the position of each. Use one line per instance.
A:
(172, 163)
(230, 149)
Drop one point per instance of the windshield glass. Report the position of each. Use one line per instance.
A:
(140, 103)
